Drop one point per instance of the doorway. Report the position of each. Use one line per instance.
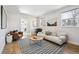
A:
(24, 26)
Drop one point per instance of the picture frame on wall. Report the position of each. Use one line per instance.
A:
(3, 18)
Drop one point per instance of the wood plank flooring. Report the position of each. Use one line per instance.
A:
(71, 49)
(13, 48)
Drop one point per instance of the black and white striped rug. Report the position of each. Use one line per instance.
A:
(46, 47)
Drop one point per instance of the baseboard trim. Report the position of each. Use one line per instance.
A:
(75, 43)
(2, 49)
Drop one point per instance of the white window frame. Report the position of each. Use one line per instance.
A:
(72, 21)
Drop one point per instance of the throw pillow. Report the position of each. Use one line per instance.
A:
(48, 33)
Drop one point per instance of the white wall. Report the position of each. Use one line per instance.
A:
(14, 21)
(72, 32)
(2, 35)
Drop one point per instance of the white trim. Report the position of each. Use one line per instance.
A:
(75, 43)
(1, 50)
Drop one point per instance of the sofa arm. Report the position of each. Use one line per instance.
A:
(63, 38)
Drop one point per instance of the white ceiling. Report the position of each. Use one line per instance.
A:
(34, 10)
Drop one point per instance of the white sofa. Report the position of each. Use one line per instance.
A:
(58, 38)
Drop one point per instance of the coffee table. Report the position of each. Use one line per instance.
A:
(36, 40)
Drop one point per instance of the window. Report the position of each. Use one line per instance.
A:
(70, 18)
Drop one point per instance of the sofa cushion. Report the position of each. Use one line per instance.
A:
(54, 33)
(60, 34)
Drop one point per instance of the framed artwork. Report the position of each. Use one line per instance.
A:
(52, 22)
(49, 22)
(3, 18)
(42, 22)
(70, 18)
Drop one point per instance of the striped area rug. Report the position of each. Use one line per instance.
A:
(46, 47)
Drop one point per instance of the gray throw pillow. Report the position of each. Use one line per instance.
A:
(48, 33)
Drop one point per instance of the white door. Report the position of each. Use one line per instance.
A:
(24, 26)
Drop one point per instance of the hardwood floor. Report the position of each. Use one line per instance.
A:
(71, 49)
(13, 48)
